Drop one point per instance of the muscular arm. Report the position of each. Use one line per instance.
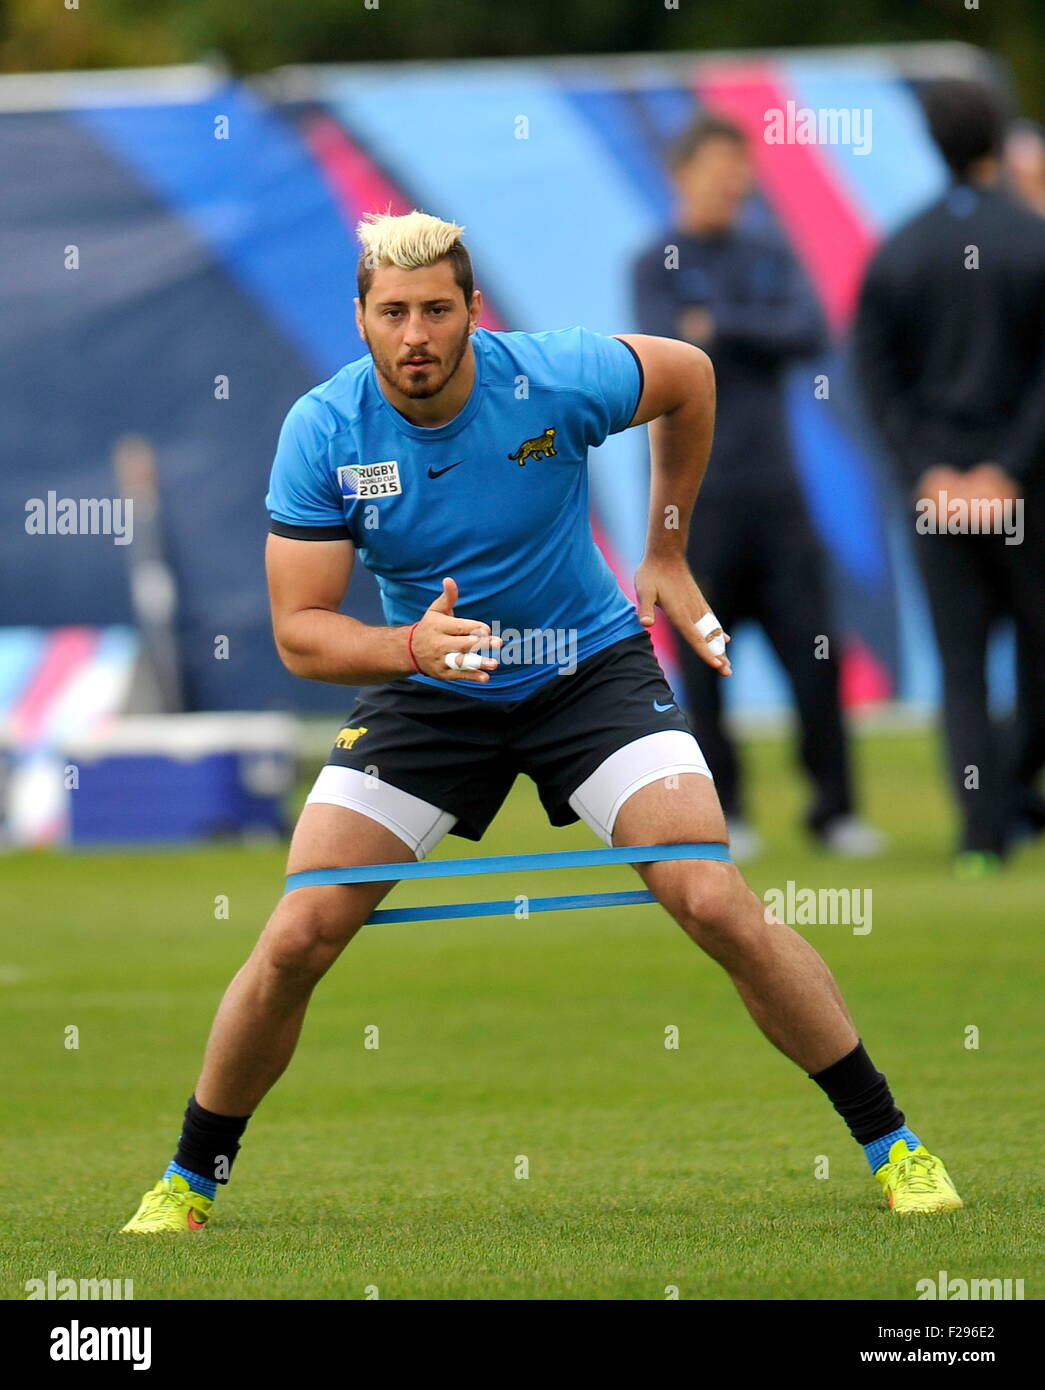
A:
(308, 581)
(678, 404)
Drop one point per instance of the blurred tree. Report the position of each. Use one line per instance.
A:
(49, 35)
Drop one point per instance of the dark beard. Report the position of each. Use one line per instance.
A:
(417, 391)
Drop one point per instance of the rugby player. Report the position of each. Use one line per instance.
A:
(454, 460)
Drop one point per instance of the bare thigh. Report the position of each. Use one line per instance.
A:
(681, 810)
(334, 837)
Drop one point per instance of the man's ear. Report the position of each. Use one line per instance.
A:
(475, 312)
(359, 316)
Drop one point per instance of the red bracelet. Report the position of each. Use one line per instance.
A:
(410, 648)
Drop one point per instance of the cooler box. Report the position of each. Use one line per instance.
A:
(172, 778)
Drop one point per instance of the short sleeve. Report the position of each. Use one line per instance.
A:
(610, 377)
(303, 500)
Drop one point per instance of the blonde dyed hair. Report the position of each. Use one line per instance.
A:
(411, 242)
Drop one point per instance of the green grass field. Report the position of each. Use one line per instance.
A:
(648, 1167)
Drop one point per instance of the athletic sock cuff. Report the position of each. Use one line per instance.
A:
(861, 1095)
(852, 1073)
(209, 1142)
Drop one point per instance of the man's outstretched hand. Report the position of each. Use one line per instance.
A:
(667, 581)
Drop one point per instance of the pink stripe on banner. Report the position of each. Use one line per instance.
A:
(864, 678)
(66, 652)
(358, 185)
(825, 228)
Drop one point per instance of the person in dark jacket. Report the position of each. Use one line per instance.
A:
(741, 297)
(950, 349)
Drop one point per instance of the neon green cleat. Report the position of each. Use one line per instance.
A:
(916, 1181)
(972, 865)
(170, 1206)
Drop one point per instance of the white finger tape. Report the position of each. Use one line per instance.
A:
(464, 661)
(708, 623)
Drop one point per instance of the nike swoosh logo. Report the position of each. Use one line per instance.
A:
(661, 708)
(438, 472)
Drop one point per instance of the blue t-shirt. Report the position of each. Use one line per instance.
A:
(497, 498)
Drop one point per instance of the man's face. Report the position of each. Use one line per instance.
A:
(1025, 165)
(712, 184)
(416, 324)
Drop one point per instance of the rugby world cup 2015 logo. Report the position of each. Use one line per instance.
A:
(366, 480)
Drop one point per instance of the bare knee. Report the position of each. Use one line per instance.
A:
(717, 909)
(308, 931)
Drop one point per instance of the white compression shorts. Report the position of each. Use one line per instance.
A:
(597, 801)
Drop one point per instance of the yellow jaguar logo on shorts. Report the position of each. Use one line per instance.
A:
(347, 737)
(541, 447)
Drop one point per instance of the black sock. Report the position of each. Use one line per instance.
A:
(861, 1096)
(209, 1143)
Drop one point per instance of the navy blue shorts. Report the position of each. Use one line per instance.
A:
(462, 754)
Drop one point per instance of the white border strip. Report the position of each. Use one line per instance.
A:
(70, 91)
(191, 82)
(634, 71)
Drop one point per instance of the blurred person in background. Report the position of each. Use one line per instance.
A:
(950, 347)
(741, 297)
(1024, 163)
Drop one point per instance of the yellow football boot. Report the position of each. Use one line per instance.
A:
(170, 1206)
(914, 1180)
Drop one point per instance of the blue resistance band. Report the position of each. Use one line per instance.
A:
(504, 864)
